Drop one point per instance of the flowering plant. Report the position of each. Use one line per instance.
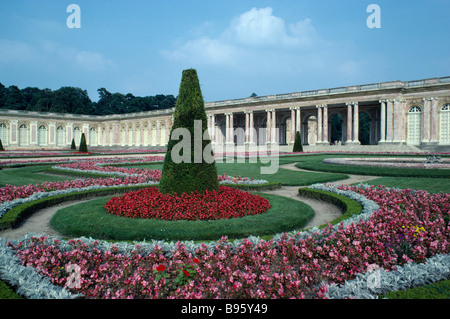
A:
(148, 203)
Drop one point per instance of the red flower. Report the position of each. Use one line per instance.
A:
(195, 260)
(161, 268)
(185, 272)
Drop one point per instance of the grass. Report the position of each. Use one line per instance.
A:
(90, 219)
(438, 290)
(28, 175)
(431, 185)
(314, 163)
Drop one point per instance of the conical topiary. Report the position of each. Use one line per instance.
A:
(298, 147)
(83, 145)
(73, 147)
(191, 174)
(1, 146)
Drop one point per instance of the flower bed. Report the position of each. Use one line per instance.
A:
(211, 205)
(408, 228)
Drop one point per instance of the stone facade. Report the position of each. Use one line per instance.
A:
(415, 113)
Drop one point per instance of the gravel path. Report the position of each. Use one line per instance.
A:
(39, 222)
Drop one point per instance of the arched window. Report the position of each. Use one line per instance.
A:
(77, 136)
(60, 136)
(93, 137)
(145, 135)
(4, 134)
(414, 131)
(445, 124)
(42, 135)
(23, 135)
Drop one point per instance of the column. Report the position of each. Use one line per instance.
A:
(426, 120)
(158, 133)
(252, 129)
(247, 127)
(273, 134)
(434, 120)
(383, 121)
(325, 124)
(356, 123)
(390, 121)
(402, 121)
(293, 124)
(268, 126)
(319, 124)
(349, 122)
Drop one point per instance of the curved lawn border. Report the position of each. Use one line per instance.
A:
(284, 215)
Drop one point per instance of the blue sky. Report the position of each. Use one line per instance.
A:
(238, 47)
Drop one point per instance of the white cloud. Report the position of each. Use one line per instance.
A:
(255, 38)
(16, 52)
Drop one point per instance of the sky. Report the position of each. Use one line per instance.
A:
(237, 47)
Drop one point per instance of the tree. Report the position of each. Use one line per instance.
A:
(1, 146)
(191, 174)
(83, 145)
(298, 147)
(73, 147)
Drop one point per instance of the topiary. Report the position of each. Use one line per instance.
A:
(83, 145)
(298, 147)
(73, 147)
(192, 173)
(1, 146)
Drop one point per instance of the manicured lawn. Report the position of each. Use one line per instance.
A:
(431, 185)
(314, 163)
(28, 175)
(90, 219)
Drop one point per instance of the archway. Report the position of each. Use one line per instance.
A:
(336, 128)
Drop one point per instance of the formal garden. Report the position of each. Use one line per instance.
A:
(141, 225)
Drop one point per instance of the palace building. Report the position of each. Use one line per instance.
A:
(397, 113)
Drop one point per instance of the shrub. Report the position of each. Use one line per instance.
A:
(298, 147)
(189, 175)
(83, 145)
(1, 146)
(73, 147)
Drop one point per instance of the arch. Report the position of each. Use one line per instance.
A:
(444, 123)
(414, 125)
(59, 136)
(93, 137)
(42, 135)
(364, 127)
(77, 135)
(23, 135)
(336, 128)
(154, 133)
(4, 134)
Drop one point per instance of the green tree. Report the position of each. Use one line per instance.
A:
(72, 146)
(1, 146)
(14, 99)
(298, 147)
(188, 176)
(83, 145)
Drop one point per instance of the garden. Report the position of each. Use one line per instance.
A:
(145, 227)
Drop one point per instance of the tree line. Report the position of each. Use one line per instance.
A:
(76, 101)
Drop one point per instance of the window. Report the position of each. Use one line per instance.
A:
(23, 135)
(414, 131)
(42, 135)
(92, 137)
(3, 134)
(445, 124)
(77, 136)
(60, 136)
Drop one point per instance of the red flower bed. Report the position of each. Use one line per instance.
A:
(225, 203)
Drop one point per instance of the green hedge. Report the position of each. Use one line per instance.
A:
(348, 206)
(20, 212)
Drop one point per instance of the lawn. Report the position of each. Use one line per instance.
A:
(28, 175)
